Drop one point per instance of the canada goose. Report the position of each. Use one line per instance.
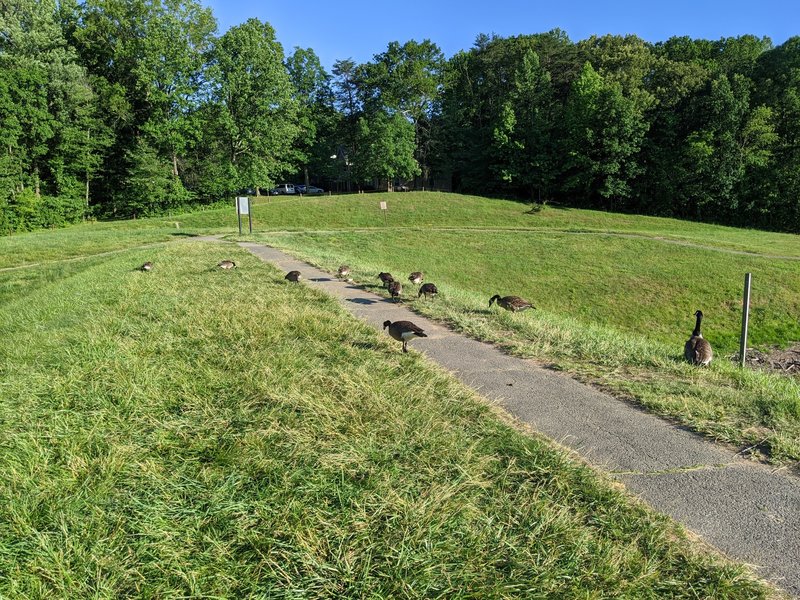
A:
(428, 289)
(512, 303)
(227, 264)
(403, 331)
(415, 278)
(343, 272)
(697, 350)
(386, 278)
(148, 266)
(395, 289)
(293, 276)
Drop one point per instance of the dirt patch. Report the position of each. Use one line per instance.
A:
(785, 361)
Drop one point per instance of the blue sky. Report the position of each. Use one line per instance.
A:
(359, 29)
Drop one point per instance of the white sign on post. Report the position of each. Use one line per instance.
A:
(243, 205)
(383, 205)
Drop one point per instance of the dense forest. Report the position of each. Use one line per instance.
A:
(127, 108)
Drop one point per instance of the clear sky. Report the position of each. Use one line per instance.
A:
(359, 29)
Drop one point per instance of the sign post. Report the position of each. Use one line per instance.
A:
(243, 208)
(745, 318)
(384, 208)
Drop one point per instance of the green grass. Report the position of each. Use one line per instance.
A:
(194, 432)
(618, 320)
(440, 210)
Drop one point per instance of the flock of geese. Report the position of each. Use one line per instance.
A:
(697, 350)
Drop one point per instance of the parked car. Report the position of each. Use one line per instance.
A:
(310, 189)
(283, 188)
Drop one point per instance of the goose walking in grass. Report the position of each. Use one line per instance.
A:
(697, 350)
(512, 303)
(416, 277)
(395, 289)
(148, 266)
(403, 331)
(343, 272)
(226, 264)
(293, 276)
(386, 278)
(428, 289)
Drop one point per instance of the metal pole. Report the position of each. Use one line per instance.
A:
(250, 217)
(745, 318)
(239, 215)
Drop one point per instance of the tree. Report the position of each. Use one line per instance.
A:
(256, 113)
(524, 136)
(406, 79)
(317, 118)
(605, 135)
(386, 148)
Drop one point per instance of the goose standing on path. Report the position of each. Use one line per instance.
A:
(293, 276)
(512, 303)
(428, 289)
(416, 277)
(697, 350)
(343, 272)
(226, 264)
(386, 278)
(403, 331)
(148, 266)
(395, 289)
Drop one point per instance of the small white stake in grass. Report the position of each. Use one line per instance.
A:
(384, 208)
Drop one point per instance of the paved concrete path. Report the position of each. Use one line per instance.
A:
(749, 511)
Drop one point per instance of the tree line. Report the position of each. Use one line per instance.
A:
(129, 108)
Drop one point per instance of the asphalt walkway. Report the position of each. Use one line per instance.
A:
(749, 511)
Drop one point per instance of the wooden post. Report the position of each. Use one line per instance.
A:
(745, 318)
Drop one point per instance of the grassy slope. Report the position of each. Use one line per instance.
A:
(618, 318)
(198, 432)
(454, 210)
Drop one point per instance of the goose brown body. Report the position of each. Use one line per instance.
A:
(697, 350)
(386, 278)
(226, 264)
(343, 271)
(293, 276)
(428, 289)
(512, 303)
(395, 289)
(416, 277)
(403, 331)
(148, 266)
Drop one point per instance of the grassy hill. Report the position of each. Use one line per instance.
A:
(615, 293)
(196, 432)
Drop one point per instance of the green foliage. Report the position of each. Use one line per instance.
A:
(605, 134)
(386, 148)
(703, 129)
(257, 115)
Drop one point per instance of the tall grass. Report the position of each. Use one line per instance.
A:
(194, 432)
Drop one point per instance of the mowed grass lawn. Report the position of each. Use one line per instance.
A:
(191, 432)
(615, 296)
